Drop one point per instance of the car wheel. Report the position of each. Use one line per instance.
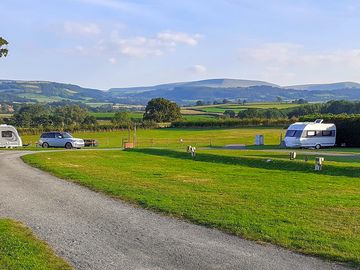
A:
(45, 145)
(318, 146)
(68, 145)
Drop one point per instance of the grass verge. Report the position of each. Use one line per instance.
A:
(21, 250)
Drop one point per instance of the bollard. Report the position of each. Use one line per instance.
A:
(319, 163)
(292, 155)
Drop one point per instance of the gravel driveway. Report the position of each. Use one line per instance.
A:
(93, 231)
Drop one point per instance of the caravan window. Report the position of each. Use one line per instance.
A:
(310, 133)
(327, 133)
(7, 134)
(293, 133)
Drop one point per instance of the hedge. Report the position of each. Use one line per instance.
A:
(87, 128)
(234, 122)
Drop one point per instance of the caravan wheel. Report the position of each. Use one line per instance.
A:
(318, 146)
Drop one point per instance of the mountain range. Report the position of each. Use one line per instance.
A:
(183, 92)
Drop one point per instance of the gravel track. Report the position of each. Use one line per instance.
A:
(93, 231)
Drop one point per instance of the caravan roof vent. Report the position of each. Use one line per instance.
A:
(319, 121)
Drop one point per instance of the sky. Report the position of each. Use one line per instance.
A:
(122, 43)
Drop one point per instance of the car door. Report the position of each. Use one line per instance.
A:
(50, 139)
(59, 140)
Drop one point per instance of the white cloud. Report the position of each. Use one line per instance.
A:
(178, 37)
(152, 46)
(81, 28)
(198, 69)
(291, 63)
(295, 54)
(113, 42)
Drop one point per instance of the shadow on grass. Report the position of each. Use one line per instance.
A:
(255, 162)
(311, 157)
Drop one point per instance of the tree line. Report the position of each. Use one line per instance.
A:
(77, 116)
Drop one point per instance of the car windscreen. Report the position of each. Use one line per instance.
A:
(293, 133)
(66, 135)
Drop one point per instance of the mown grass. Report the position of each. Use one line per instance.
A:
(171, 137)
(241, 192)
(21, 250)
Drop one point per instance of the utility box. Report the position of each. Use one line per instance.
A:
(128, 145)
(259, 140)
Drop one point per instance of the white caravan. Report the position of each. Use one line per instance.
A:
(9, 137)
(310, 134)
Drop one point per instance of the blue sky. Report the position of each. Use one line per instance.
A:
(119, 43)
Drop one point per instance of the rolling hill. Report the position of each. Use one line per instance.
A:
(328, 86)
(182, 92)
(32, 91)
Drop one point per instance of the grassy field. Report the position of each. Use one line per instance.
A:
(110, 115)
(171, 137)
(239, 107)
(198, 117)
(189, 115)
(282, 202)
(20, 250)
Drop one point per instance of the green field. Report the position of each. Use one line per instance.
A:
(41, 98)
(241, 192)
(238, 107)
(198, 117)
(171, 137)
(110, 115)
(139, 115)
(97, 104)
(20, 250)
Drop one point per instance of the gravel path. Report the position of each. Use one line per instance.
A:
(93, 231)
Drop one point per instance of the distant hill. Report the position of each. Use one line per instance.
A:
(182, 92)
(41, 91)
(329, 86)
(212, 83)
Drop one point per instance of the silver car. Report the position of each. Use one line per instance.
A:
(60, 139)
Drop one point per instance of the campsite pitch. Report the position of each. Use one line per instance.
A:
(254, 194)
(177, 137)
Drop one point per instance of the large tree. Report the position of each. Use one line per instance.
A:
(121, 118)
(162, 110)
(3, 50)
